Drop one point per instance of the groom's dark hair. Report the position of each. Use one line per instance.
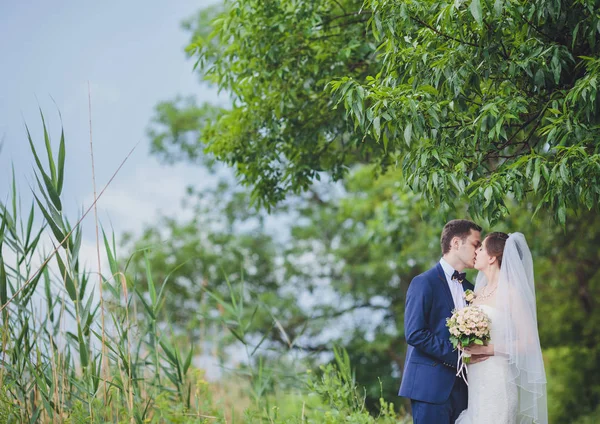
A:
(456, 228)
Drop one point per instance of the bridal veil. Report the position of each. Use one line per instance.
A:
(515, 302)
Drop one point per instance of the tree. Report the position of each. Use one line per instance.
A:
(488, 100)
(274, 59)
(477, 101)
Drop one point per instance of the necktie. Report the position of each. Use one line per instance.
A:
(459, 276)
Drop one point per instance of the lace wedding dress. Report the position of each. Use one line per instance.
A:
(493, 399)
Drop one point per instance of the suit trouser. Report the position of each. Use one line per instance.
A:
(441, 413)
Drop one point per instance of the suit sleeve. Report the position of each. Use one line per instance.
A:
(419, 301)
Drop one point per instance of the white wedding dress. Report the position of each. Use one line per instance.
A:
(510, 387)
(493, 399)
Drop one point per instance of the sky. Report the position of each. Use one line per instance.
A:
(131, 55)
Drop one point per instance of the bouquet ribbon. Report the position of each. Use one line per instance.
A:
(463, 371)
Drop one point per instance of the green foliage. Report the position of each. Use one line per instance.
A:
(567, 292)
(478, 102)
(589, 419)
(570, 382)
(338, 394)
(486, 101)
(274, 59)
(205, 251)
(362, 246)
(180, 121)
(8, 409)
(351, 253)
(345, 404)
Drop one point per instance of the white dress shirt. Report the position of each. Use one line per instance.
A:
(455, 286)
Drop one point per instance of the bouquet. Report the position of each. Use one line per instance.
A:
(468, 326)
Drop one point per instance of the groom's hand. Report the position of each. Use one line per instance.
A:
(478, 358)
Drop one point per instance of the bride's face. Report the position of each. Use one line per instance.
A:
(483, 260)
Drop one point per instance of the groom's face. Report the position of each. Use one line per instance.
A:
(467, 248)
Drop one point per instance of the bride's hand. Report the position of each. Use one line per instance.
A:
(478, 358)
(487, 350)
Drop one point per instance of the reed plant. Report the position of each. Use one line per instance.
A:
(75, 348)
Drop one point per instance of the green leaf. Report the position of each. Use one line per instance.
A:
(498, 6)
(3, 282)
(60, 236)
(148, 308)
(48, 292)
(562, 214)
(52, 193)
(49, 150)
(151, 287)
(188, 361)
(487, 194)
(83, 352)
(408, 133)
(35, 155)
(237, 335)
(377, 127)
(61, 162)
(36, 413)
(265, 335)
(564, 173)
(386, 140)
(169, 350)
(29, 224)
(112, 262)
(476, 11)
(540, 78)
(536, 176)
(69, 283)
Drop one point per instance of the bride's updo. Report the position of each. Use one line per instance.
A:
(494, 244)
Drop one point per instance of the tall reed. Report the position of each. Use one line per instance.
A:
(66, 356)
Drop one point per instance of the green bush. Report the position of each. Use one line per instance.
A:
(572, 374)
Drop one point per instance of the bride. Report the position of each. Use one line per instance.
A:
(509, 387)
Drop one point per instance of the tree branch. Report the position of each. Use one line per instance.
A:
(538, 30)
(341, 7)
(345, 24)
(345, 15)
(521, 128)
(414, 18)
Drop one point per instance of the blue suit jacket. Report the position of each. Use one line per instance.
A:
(430, 366)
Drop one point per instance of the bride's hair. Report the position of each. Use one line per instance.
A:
(494, 244)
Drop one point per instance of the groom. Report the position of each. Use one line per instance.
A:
(437, 395)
